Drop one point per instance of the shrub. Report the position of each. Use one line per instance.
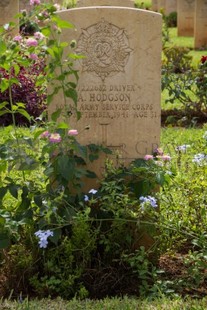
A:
(171, 19)
(25, 91)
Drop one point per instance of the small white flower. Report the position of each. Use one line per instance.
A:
(93, 191)
(86, 198)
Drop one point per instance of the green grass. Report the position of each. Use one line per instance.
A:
(185, 42)
(108, 304)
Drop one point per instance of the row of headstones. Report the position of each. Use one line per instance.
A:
(119, 90)
(191, 18)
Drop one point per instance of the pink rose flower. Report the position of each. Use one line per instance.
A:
(45, 134)
(17, 38)
(31, 42)
(33, 56)
(35, 2)
(72, 132)
(55, 138)
(164, 157)
(148, 157)
(38, 35)
(57, 6)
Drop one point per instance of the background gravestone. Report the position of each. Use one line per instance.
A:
(124, 3)
(8, 9)
(155, 5)
(24, 5)
(185, 21)
(170, 6)
(200, 30)
(119, 80)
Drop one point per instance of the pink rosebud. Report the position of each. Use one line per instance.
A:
(34, 2)
(72, 132)
(55, 138)
(148, 157)
(45, 134)
(57, 6)
(33, 56)
(38, 35)
(164, 157)
(31, 42)
(17, 38)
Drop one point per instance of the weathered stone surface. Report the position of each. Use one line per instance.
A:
(170, 6)
(124, 3)
(154, 6)
(186, 10)
(119, 80)
(200, 31)
(8, 9)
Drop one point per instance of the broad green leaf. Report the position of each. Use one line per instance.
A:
(72, 93)
(46, 31)
(3, 47)
(4, 241)
(4, 84)
(62, 23)
(24, 113)
(13, 189)
(2, 220)
(66, 167)
(3, 104)
(3, 191)
(16, 69)
(4, 112)
(55, 115)
(62, 125)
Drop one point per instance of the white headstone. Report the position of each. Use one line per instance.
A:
(200, 31)
(119, 80)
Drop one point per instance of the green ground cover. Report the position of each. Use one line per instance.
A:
(108, 304)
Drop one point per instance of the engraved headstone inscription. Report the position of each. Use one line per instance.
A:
(8, 10)
(119, 78)
(200, 30)
(124, 3)
(185, 17)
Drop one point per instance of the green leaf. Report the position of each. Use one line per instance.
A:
(4, 84)
(55, 115)
(3, 47)
(4, 112)
(3, 191)
(16, 69)
(38, 200)
(62, 125)
(66, 167)
(62, 23)
(3, 105)
(72, 93)
(13, 189)
(4, 241)
(24, 113)
(56, 236)
(46, 31)
(2, 221)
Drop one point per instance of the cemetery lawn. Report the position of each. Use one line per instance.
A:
(126, 303)
(170, 138)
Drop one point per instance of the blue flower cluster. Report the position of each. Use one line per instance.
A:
(43, 235)
(200, 159)
(148, 200)
(92, 191)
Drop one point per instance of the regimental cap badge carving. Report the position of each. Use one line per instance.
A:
(106, 48)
